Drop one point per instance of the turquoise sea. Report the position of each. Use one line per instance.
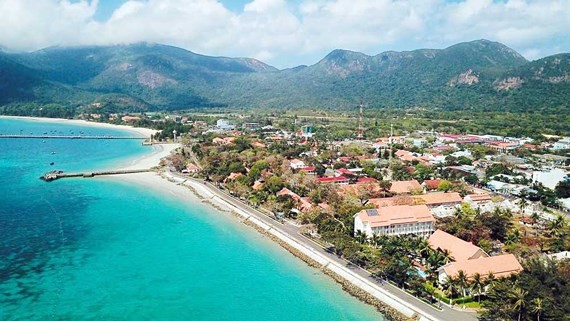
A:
(103, 249)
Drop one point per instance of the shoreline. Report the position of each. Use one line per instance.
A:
(391, 306)
(146, 132)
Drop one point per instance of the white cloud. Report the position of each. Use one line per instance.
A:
(287, 34)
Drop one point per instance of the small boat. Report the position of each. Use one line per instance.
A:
(53, 153)
(52, 163)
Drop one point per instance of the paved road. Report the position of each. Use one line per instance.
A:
(447, 314)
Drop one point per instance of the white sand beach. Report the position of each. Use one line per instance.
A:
(144, 132)
(159, 151)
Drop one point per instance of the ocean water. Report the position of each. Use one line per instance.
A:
(103, 249)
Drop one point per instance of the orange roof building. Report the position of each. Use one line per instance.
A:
(500, 265)
(395, 220)
(432, 184)
(459, 249)
(404, 187)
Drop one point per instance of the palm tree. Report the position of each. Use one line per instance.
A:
(385, 186)
(447, 257)
(557, 226)
(518, 296)
(522, 203)
(449, 287)
(537, 307)
(477, 284)
(360, 236)
(490, 281)
(462, 282)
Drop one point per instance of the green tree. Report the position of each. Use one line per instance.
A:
(445, 186)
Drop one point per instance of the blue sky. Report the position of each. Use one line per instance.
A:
(287, 33)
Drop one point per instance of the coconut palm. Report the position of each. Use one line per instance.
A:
(360, 236)
(522, 203)
(537, 307)
(447, 257)
(518, 296)
(477, 285)
(462, 282)
(449, 288)
(490, 281)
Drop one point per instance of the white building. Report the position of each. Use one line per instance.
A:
(223, 124)
(297, 164)
(395, 220)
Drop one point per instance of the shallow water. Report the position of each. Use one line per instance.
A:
(101, 249)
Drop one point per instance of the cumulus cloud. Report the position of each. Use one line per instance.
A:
(287, 34)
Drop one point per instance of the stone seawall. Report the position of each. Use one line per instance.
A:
(391, 307)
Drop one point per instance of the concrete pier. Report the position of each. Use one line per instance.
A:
(53, 175)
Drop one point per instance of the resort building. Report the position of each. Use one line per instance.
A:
(395, 220)
(459, 249)
(500, 265)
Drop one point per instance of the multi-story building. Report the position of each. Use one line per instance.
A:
(395, 220)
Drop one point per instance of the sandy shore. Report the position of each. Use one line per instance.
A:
(144, 132)
(159, 151)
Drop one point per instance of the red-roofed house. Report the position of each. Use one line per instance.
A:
(431, 184)
(404, 187)
(459, 249)
(500, 265)
(395, 220)
(333, 180)
(301, 203)
(364, 180)
(309, 170)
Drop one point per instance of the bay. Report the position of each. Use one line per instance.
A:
(104, 249)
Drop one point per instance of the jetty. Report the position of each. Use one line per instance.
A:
(3, 136)
(53, 175)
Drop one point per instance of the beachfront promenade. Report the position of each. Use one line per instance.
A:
(289, 233)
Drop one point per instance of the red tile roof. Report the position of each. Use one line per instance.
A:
(459, 249)
(403, 187)
(340, 179)
(500, 266)
(386, 216)
(432, 183)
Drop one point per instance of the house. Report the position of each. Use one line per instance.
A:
(130, 119)
(459, 249)
(404, 187)
(477, 199)
(309, 170)
(395, 220)
(297, 164)
(223, 124)
(251, 126)
(431, 184)
(341, 180)
(365, 180)
(500, 265)
(405, 155)
(440, 204)
(191, 168)
(232, 176)
(302, 204)
(257, 185)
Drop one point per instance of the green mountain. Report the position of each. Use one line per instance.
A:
(479, 75)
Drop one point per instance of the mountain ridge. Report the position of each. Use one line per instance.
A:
(476, 75)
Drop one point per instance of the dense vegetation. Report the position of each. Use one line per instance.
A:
(479, 76)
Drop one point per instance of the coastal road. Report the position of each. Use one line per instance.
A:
(446, 314)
